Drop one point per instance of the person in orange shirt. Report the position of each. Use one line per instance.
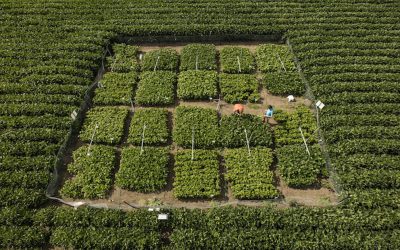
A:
(238, 109)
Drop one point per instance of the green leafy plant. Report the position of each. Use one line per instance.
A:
(105, 123)
(233, 135)
(116, 89)
(161, 59)
(297, 168)
(197, 178)
(156, 131)
(239, 88)
(92, 168)
(274, 58)
(284, 83)
(237, 60)
(250, 175)
(124, 59)
(144, 171)
(156, 88)
(200, 123)
(197, 85)
(204, 54)
(287, 132)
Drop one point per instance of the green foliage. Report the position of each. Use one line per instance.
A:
(110, 125)
(237, 60)
(197, 85)
(143, 171)
(22, 197)
(89, 228)
(299, 169)
(24, 179)
(161, 59)
(115, 89)
(239, 88)
(270, 58)
(124, 60)
(156, 88)
(287, 132)
(92, 170)
(284, 83)
(202, 122)
(206, 55)
(22, 237)
(198, 178)
(156, 131)
(250, 175)
(233, 135)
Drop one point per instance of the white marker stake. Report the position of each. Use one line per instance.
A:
(141, 148)
(197, 62)
(91, 139)
(304, 140)
(192, 143)
(155, 66)
(133, 109)
(247, 141)
(283, 65)
(240, 68)
(219, 104)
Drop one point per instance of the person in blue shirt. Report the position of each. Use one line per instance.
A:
(268, 113)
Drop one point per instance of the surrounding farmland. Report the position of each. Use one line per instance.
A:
(344, 53)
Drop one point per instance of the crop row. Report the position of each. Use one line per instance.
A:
(227, 228)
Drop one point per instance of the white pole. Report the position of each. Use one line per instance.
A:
(240, 68)
(247, 141)
(133, 109)
(197, 62)
(141, 147)
(279, 58)
(192, 143)
(304, 140)
(155, 66)
(91, 139)
(219, 103)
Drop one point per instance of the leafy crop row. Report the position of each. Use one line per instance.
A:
(197, 178)
(197, 123)
(284, 83)
(154, 122)
(237, 60)
(198, 57)
(92, 168)
(143, 171)
(288, 133)
(104, 125)
(161, 59)
(197, 85)
(274, 58)
(116, 89)
(232, 131)
(250, 175)
(124, 60)
(299, 169)
(239, 88)
(156, 88)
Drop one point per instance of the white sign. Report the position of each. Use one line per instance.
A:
(163, 216)
(73, 115)
(320, 105)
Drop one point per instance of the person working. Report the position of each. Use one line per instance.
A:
(268, 113)
(238, 109)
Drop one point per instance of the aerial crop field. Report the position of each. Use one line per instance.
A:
(127, 107)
